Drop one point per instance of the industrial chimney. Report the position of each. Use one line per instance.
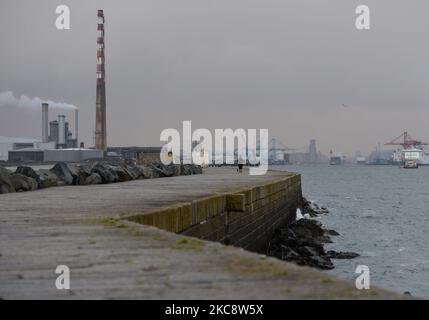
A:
(76, 126)
(45, 112)
(100, 105)
(61, 131)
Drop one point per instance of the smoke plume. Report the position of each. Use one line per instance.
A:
(7, 98)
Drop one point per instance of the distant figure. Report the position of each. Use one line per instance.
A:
(240, 164)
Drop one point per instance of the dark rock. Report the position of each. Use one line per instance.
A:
(163, 170)
(307, 228)
(319, 261)
(47, 178)
(175, 169)
(80, 173)
(197, 169)
(341, 255)
(302, 242)
(93, 178)
(64, 173)
(157, 170)
(122, 173)
(148, 172)
(307, 251)
(78, 176)
(408, 293)
(186, 169)
(29, 172)
(160, 168)
(6, 185)
(320, 211)
(88, 173)
(312, 208)
(72, 174)
(85, 169)
(332, 232)
(106, 172)
(289, 254)
(23, 183)
(324, 239)
(135, 171)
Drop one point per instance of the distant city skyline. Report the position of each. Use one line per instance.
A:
(298, 68)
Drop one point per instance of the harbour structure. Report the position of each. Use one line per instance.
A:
(135, 155)
(100, 135)
(336, 158)
(278, 152)
(412, 150)
(360, 160)
(306, 155)
(312, 152)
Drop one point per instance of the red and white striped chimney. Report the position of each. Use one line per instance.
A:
(100, 47)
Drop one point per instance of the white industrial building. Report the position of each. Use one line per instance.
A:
(54, 155)
(13, 143)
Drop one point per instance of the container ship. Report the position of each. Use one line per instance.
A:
(417, 154)
(411, 154)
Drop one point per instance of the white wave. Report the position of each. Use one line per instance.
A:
(299, 215)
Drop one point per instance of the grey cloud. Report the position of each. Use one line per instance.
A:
(283, 65)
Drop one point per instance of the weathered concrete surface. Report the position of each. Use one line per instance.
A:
(79, 226)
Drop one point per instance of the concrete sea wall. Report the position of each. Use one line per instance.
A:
(112, 258)
(245, 218)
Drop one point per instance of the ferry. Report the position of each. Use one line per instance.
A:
(361, 160)
(337, 159)
(414, 154)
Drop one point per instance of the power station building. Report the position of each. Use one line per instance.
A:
(54, 155)
(57, 143)
(64, 138)
(14, 143)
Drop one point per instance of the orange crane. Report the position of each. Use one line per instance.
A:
(406, 141)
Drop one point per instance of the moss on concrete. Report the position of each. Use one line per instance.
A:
(187, 243)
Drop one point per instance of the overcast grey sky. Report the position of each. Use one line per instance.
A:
(283, 65)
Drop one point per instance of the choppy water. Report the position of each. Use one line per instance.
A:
(382, 213)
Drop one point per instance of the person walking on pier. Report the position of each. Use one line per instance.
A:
(240, 164)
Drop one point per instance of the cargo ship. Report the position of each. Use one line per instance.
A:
(337, 158)
(416, 154)
(412, 155)
(361, 160)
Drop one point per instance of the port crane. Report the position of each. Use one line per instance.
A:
(277, 150)
(276, 145)
(406, 141)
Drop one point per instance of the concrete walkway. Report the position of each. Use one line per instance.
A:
(80, 226)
